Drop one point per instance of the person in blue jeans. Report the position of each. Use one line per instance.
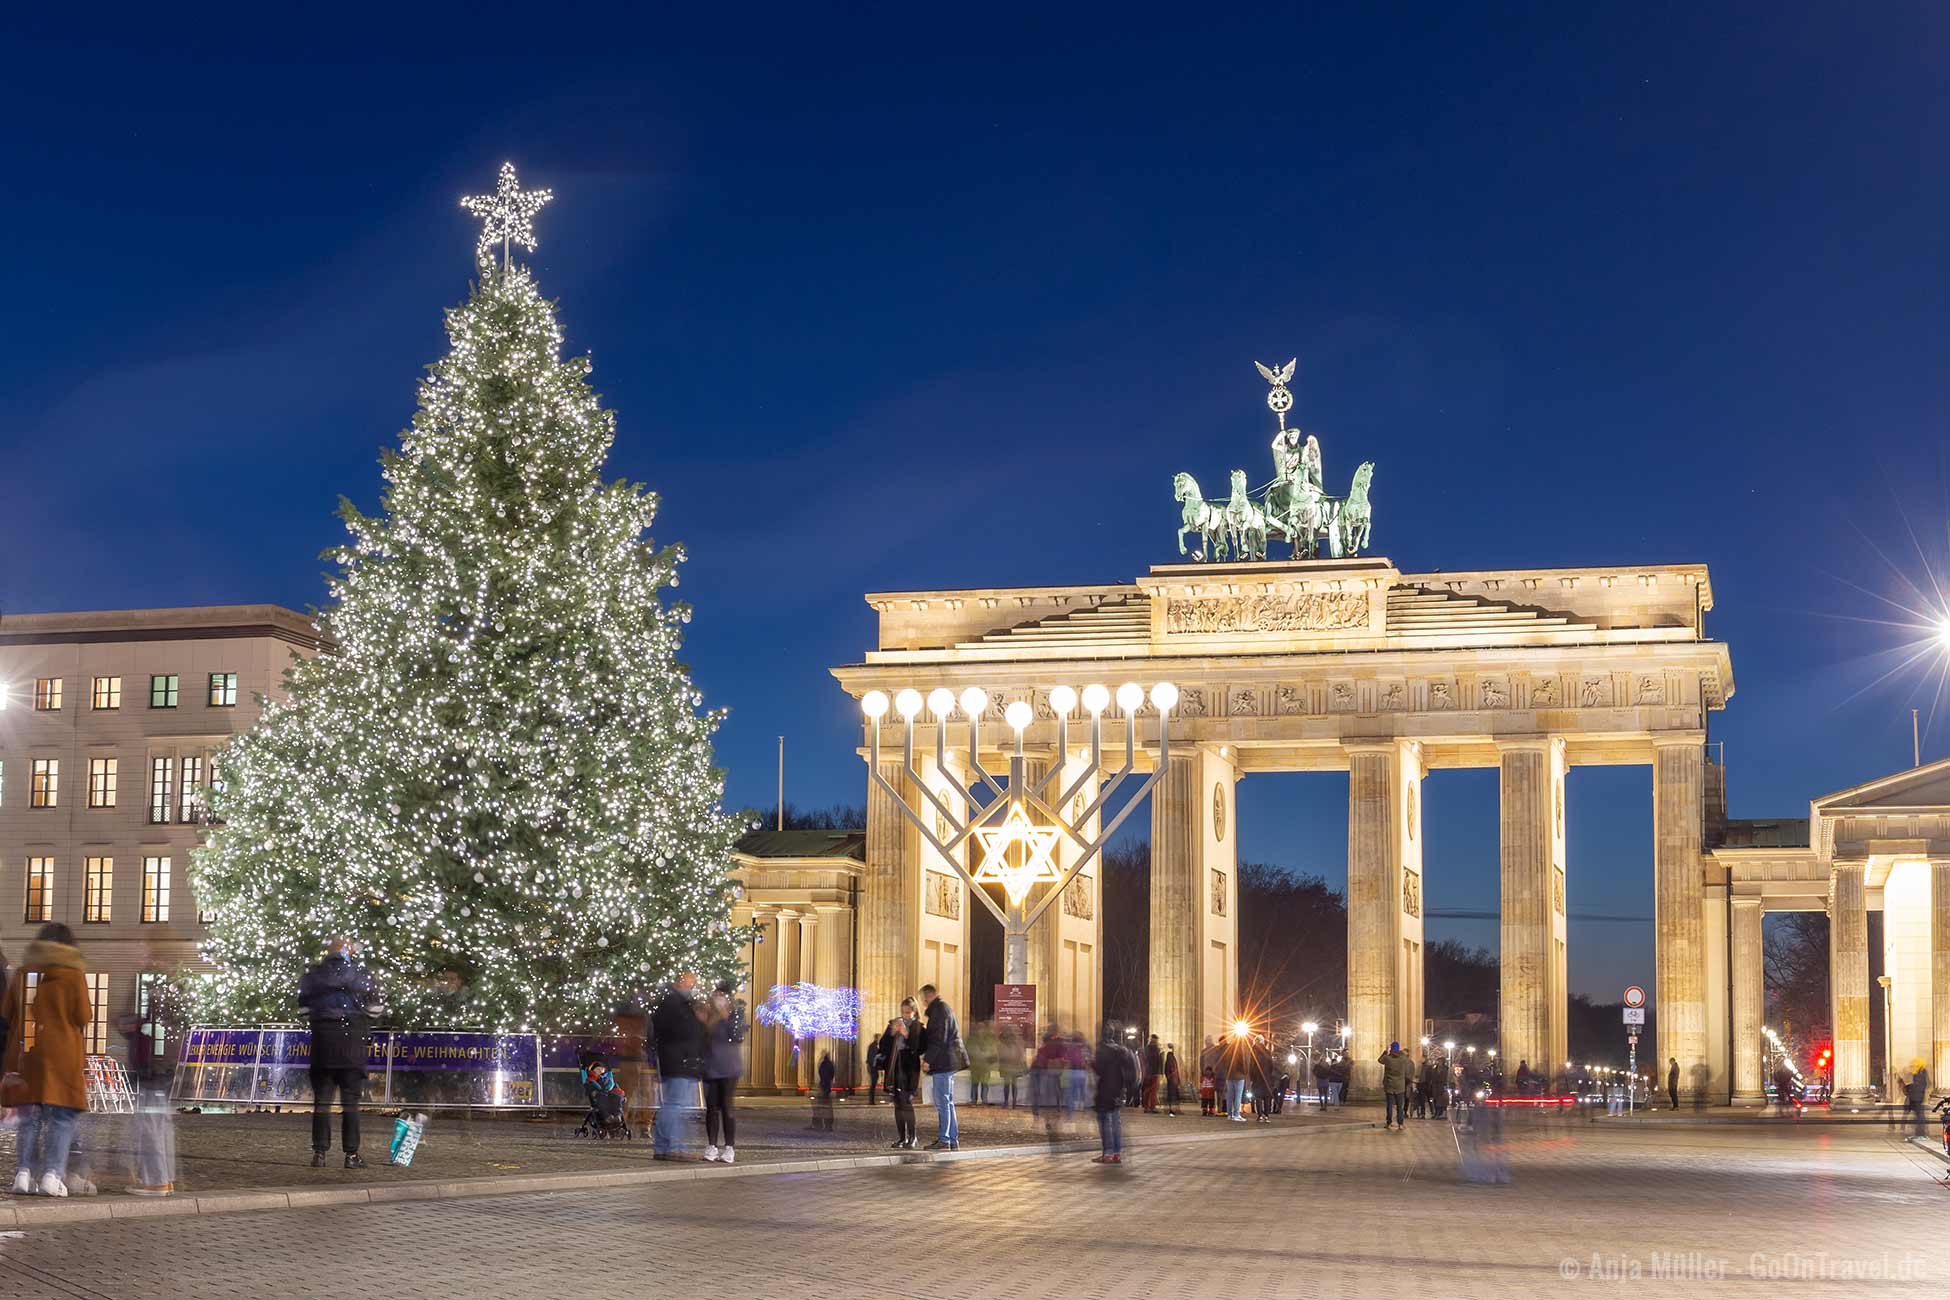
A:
(679, 1038)
(942, 1054)
(48, 1081)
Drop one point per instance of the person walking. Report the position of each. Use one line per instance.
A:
(875, 1065)
(942, 1054)
(1235, 1067)
(1114, 1080)
(901, 1058)
(155, 1129)
(1154, 1073)
(724, 1061)
(1174, 1080)
(1396, 1067)
(1672, 1082)
(48, 1082)
(679, 1038)
(1011, 1061)
(1917, 1094)
(338, 1001)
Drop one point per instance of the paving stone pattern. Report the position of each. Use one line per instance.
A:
(1357, 1214)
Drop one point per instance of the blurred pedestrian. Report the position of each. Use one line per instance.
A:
(678, 1036)
(1114, 1081)
(1672, 1083)
(1208, 1091)
(1174, 1081)
(901, 1058)
(1396, 1067)
(48, 1082)
(724, 1061)
(1917, 1094)
(981, 1064)
(1235, 1067)
(338, 1000)
(943, 1055)
(1154, 1073)
(823, 1107)
(155, 1129)
(1010, 1062)
(875, 1063)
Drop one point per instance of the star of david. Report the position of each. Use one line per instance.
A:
(1034, 866)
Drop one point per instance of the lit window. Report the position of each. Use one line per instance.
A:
(47, 783)
(47, 694)
(30, 1031)
(108, 692)
(223, 690)
(159, 787)
(155, 889)
(192, 787)
(101, 783)
(162, 692)
(40, 891)
(97, 1013)
(98, 900)
(148, 988)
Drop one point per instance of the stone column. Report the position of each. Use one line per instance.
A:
(1848, 978)
(1749, 1088)
(889, 906)
(1043, 945)
(765, 973)
(1533, 1023)
(1940, 973)
(1377, 818)
(1679, 893)
(809, 971)
(785, 1068)
(1176, 900)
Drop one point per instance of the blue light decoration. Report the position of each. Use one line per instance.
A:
(812, 1011)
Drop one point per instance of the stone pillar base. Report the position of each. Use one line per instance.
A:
(1750, 1099)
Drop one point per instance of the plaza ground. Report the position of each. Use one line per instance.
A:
(1697, 1209)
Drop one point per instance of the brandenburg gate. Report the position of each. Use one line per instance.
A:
(1325, 662)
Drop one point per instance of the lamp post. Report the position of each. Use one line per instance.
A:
(1308, 1029)
(1019, 827)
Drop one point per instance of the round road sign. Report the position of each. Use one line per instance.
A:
(1635, 996)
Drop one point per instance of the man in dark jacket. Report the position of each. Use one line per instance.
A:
(337, 997)
(942, 1054)
(1154, 1074)
(679, 1038)
(1672, 1083)
(1114, 1080)
(1397, 1067)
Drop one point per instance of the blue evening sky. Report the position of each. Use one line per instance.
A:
(893, 297)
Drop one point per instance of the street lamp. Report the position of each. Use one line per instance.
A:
(1308, 1029)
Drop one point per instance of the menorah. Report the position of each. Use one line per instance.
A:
(1017, 825)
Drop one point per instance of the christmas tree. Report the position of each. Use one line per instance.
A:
(497, 778)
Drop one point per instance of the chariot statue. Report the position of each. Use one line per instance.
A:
(1294, 505)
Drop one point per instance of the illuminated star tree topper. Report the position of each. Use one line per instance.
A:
(507, 215)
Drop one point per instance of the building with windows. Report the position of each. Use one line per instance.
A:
(109, 723)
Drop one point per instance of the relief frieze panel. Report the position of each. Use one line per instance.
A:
(1314, 611)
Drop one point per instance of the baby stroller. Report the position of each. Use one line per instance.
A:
(608, 1115)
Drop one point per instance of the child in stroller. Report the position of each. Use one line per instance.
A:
(608, 1111)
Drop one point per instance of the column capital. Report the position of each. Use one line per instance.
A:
(1678, 740)
(1527, 744)
(1754, 901)
(1388, 745)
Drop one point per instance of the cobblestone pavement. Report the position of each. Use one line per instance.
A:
(1664, 1212)
(220, 1153)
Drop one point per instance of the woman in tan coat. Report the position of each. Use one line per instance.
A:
(48, 1081)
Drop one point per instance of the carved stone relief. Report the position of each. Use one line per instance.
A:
(1218, 811)
(1494, 693)
(1324, 611)
(1077, 900)
(1411, 893)
(1651, 688)
(1557, 891)
(1218, 892)
(1290, 700)
(1343, 697)
(942, 896)
(1557, 798)
(1393, 696)
(1543, 693)
(1442, 695)
(1244, 703)
(1191, 702)
(1414, 798)
(1594, 692)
